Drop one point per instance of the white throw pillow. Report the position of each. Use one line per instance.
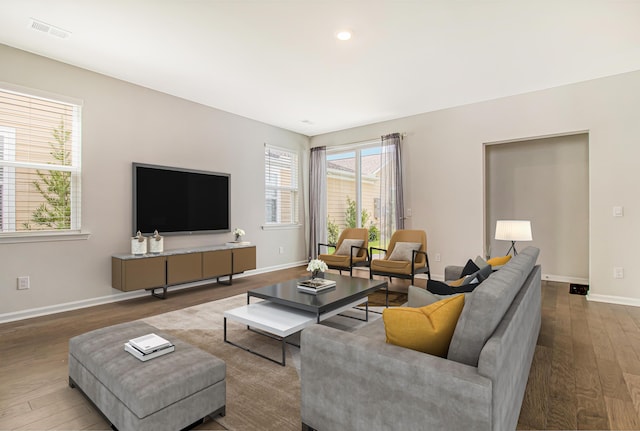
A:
(345, 247)
(404, 250)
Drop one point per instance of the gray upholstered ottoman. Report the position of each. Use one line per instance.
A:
(169, 392)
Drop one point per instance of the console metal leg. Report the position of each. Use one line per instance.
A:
(157, 295)
(226, 283)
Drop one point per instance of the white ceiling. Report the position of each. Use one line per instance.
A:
(278, 61)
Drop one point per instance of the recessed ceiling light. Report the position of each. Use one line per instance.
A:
(343, 35)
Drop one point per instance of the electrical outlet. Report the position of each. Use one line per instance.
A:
(23, 282)
(437, 257)
(618, 272)
(281, 250)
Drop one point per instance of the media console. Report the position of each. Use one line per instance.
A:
(154, 271)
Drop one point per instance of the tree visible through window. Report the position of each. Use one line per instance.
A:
(39, 163)
(353, 190)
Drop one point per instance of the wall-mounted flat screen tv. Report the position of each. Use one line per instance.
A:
(177, 201)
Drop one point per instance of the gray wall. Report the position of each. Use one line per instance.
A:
(545, 181)
(443, 157)
(123, 123)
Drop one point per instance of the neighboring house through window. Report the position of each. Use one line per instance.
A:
(353, 189)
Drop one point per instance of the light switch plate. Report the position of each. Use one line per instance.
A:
(23, 282)
(618, 272)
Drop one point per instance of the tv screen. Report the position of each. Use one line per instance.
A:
(179, 201)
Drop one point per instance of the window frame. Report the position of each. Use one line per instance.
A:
(75, 231)
(7, 179)
(274, 193)
(358, 149)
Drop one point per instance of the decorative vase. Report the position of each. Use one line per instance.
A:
(138, 244)
(317, 274)
(156, 243)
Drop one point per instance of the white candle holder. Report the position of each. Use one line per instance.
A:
(156, 243)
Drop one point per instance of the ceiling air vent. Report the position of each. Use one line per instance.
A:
(34, 24)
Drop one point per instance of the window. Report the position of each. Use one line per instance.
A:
(39, 163)
(281, 186)
(353, 190)
(7, 178)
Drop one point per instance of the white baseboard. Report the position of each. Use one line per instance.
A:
(564, 279)
(621, 300)
(121, 296)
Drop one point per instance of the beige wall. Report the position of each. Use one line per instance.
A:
(125, 123)
(545, 181)
(443, 158)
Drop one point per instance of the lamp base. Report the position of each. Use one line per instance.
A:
(513, 247)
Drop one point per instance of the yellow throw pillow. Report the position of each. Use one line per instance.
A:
(426, 329)
(499, 261)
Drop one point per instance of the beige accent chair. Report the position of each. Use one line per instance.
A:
(351, 250)
(405, 257)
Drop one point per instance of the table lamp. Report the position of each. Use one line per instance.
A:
(513, 230)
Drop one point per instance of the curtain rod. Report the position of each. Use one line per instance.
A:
(402, 135)
(368, 141)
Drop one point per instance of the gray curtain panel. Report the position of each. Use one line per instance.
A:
(391, 190)
(317, 199)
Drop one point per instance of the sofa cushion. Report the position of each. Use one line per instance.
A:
(484, 310)
(394, 266)
(336, 260)
(426, 329)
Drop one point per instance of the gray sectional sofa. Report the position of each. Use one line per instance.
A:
(357, 381)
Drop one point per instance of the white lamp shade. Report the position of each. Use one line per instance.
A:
(513, 230)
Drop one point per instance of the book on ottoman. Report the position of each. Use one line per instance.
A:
(146, 356)
(149, 343)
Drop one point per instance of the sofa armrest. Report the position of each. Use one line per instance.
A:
(452, 272)
(357, 383)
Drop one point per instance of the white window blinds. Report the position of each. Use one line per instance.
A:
(39, 163)
(281, 186)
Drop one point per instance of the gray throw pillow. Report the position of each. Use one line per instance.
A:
(404, 250)
(477, 277)
(419, 297)
(480, 262)
(345, 247)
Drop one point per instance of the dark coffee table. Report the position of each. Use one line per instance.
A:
(347, 291)
(287, 310)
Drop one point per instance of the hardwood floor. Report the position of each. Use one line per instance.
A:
(585, 373)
